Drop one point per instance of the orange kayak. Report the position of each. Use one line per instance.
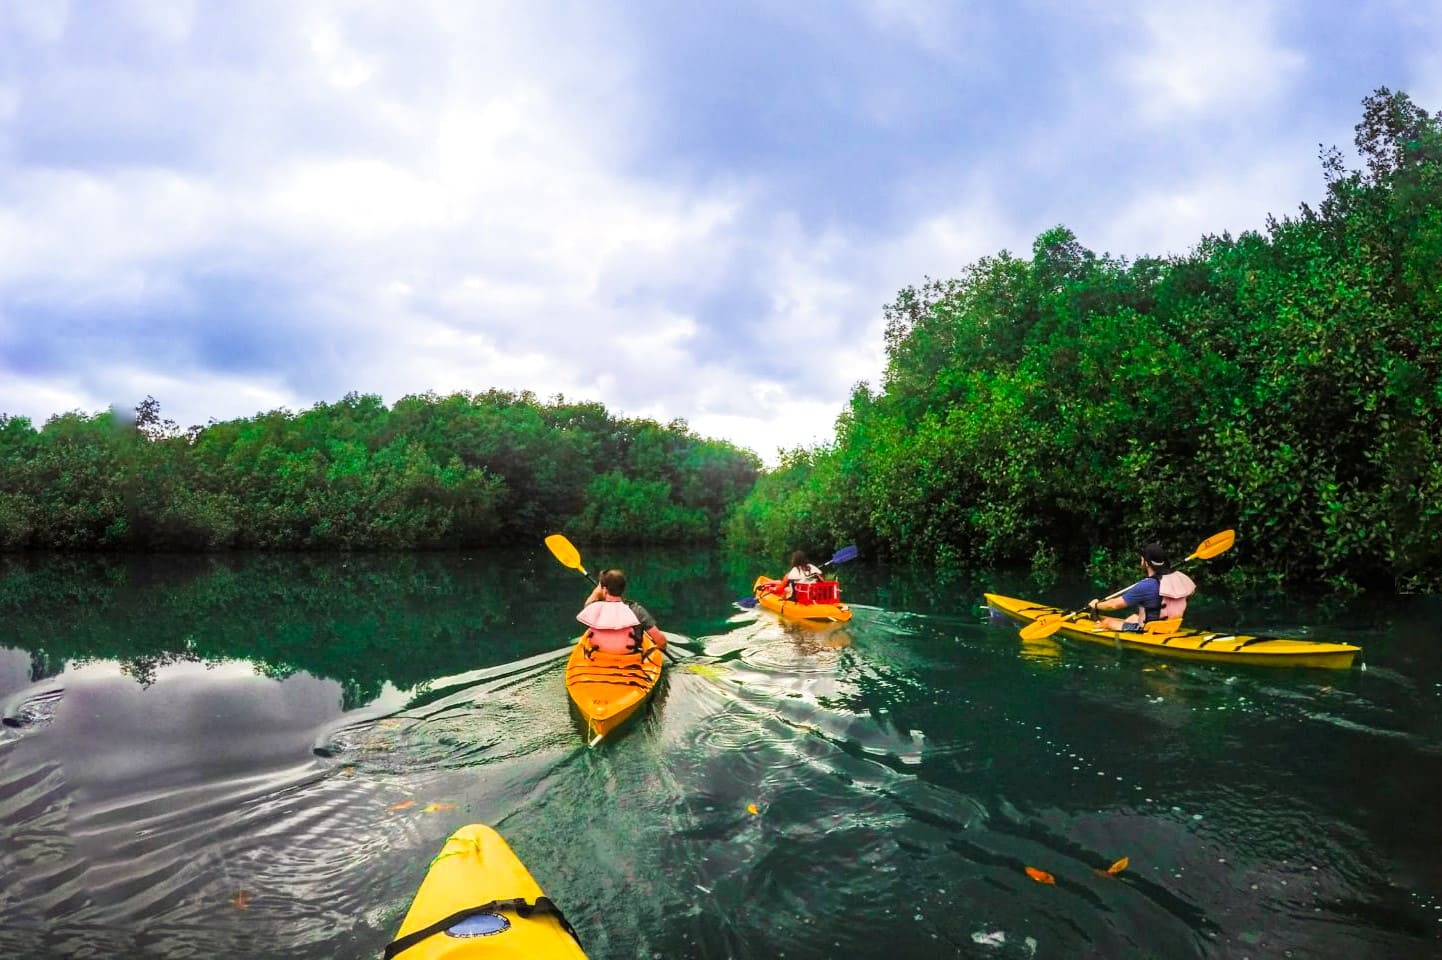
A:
(805, 613)
(607, 688)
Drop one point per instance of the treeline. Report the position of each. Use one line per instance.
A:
(1287, 383)
(430, 472)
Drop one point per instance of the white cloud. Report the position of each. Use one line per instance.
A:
(1172, 217)
(453, 196)
(81, 237)
(41, 21)
(939, 27)
(1198, 58)
(170, 21)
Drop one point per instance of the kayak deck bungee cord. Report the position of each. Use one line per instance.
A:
(477, 901)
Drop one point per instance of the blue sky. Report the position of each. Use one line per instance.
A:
(674, 210)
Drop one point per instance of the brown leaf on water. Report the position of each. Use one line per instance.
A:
(441, 807)
(1040, 876)
(1119, 866)
(402, 805)
(241, 900)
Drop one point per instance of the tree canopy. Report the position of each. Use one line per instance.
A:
(1286, 382)
(431, 471)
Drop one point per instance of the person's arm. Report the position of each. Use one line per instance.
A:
(593, 596)
(1118, 602)
(1136, 595)
(648, 624)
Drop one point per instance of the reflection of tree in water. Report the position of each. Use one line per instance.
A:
(44, 665)
(143, 669)
(360, 620)
(363, 620)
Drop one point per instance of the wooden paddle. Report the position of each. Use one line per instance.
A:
(1049, 623)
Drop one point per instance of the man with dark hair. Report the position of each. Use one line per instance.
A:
(1145, 594)
(617, 624)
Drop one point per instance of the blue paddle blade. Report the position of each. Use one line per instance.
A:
(746, 603)
(843, 555)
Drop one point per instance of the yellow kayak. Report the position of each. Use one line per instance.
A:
(837, 612)
(478, 901)
(607, 688)
(1187, 643)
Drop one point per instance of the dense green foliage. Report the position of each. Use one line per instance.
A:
(1286, 383)
(429, 472)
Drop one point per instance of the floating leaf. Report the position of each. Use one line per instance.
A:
(438, 807)
(402, 805)
(1040, 876)
(752, 808)
(241, 900)
(1119, 866)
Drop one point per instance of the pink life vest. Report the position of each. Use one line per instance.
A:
(612, 626)
(1175, 588)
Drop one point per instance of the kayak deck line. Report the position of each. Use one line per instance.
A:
(607, 689)
(1188, 643)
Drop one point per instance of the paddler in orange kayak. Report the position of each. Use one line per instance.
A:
(615, 624)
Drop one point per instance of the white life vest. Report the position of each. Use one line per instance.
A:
(810, 573)
(612, 626)
(1175, 588)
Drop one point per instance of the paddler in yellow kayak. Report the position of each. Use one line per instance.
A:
(1160, 597)
(616, 625)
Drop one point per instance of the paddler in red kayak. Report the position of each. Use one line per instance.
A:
(617, 624)
(1160, 596)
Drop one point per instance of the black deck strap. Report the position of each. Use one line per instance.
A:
(1215, 637)
(617, 676)
(1254, 640)
(519, 905)
(613, 683)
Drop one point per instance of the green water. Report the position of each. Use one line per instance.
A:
(258, 756)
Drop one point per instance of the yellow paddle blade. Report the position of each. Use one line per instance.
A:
(564, 552)
(1216, 544)
(1043, 626)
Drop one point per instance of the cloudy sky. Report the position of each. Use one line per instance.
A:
(677, 210)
